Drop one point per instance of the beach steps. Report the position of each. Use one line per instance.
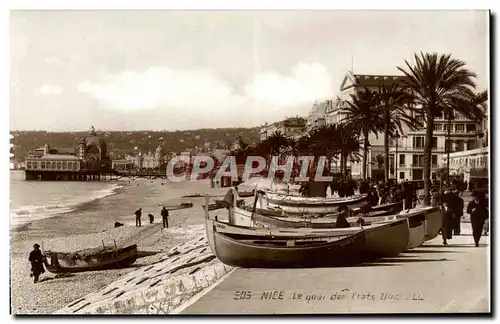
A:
(160, 288)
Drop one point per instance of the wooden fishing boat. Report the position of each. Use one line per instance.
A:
(388, 237)
(256, 219)
(299, 250)
(433, 221)
(295, 204)
(90, 260)
(416, 223)
(394, 207)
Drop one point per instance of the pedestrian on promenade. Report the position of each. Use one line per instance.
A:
(138, 214)
(408, 195)
(458, 212)
(447, 222)
(164, 216)
(478, 211)
(36, 260)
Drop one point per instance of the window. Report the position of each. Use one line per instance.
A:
(471, 144)
(447, 145)
(438, 127)
(59, 165)
(418, 142)
(402, 161)
(471, 128)
(460, 146)
(53, 165)
(445, 127)
(28, 165)
(434, 160)
(401, 175)
(418, 174)
(439, 115)
(434, 142)
(43, 166)
(418, 160)
(434, 175)
(459, 128)
(420, 119)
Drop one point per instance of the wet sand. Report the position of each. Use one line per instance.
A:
(89, 226)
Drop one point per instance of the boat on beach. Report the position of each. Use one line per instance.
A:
(105, 258)
(416, 223)
(237, 247)
(389, 237)
(395, 207)
(311, 205)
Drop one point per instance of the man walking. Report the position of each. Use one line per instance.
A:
(138, 214)
(478, 210)
(164, 216)
(458, 212)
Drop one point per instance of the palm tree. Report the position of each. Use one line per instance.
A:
(438, 84)
(346, 141)
(394, 102)
(364, 114)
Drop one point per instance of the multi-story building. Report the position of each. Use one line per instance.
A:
(407, 162)
(293, 127)
(317, 115)
(46, 163)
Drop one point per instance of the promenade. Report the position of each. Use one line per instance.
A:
(431, 278)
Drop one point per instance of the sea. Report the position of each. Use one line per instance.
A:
(113, 201)
(34, 200)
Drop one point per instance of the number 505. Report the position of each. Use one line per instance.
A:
(242, 295)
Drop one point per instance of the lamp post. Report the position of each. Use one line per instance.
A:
(396, 136)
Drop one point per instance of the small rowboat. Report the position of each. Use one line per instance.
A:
(394, 207)
(90, 260)
(294, 204)
(252, 249)
(387, 238)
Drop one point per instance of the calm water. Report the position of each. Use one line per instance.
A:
(32, 200)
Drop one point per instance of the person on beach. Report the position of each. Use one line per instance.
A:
(164, 216)
(36, 259)
(138, 214)
(151, 218)
(478, 211)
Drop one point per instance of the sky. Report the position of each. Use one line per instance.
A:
(177, 70)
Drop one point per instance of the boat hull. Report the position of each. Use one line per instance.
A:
(274, 253)
(433, 222)
(303, 205)
(388, 240)
(121, 258)
(416, 223)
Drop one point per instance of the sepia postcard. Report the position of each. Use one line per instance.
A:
(249, 162)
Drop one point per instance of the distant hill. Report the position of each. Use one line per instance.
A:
(123, 142)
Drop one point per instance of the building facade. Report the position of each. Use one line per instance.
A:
(406, 157)
(46, 163)
(293, 127)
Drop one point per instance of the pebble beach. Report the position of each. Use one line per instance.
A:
(91, 225)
